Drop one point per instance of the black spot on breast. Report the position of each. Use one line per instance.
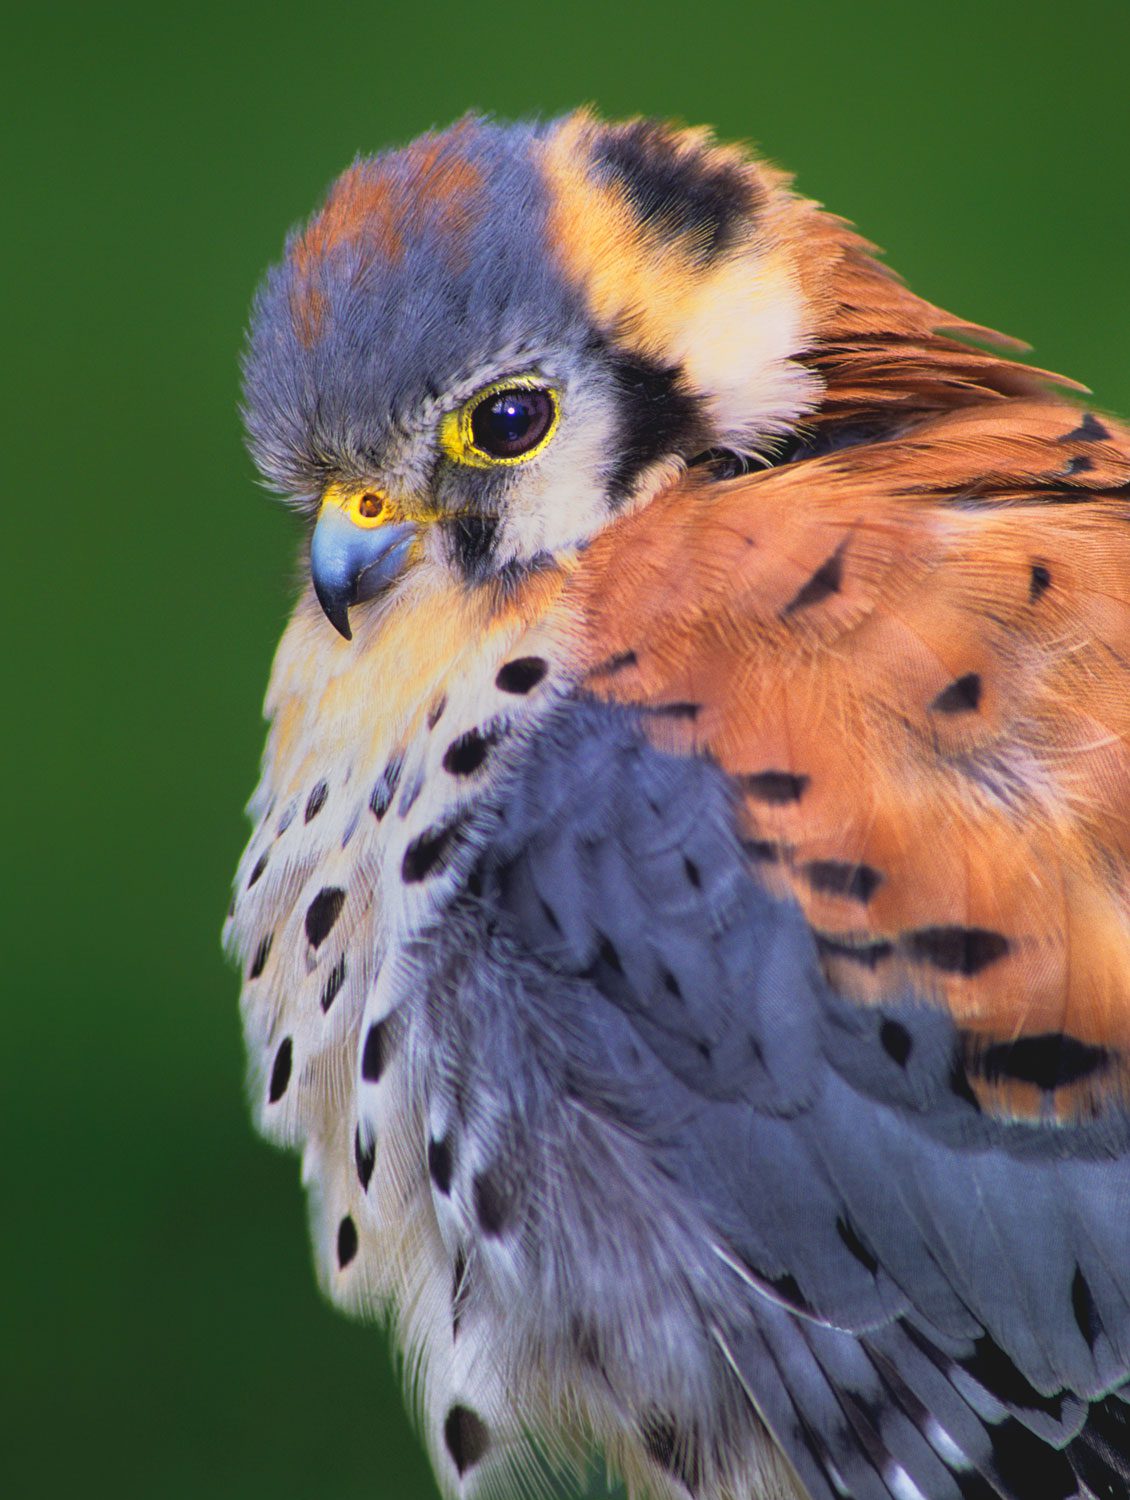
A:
(1050, 1061)
(262, 954)
(678, 194)
(867, 952)
(260, 866)
(464, 756)
(316, 800)
(385, 789)
(670, 1450)
(847, 1233)
(322, 913)
(435, 713)
(346, 1242)
(826, 581)
(471, 541)
(1090, 430)
(1079, 464)
(439, 1164)
(521, 675)
(280, 1071)
(431, 852)
(1083, 1306)
(835, 878)
(957, 950)
(364, 1159)
(961, 697)
(334, 981)
(467, 1438)
(1039, 582)
(495, 1202)
(896, 1042)
(373, 1056)
(657, 418)
(775, 787)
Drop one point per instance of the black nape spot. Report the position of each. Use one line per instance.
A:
(435, 713)
(866, 1258)
(868, 952)
(961, 697)
(667, 1448)
(693, 873)
(464, 756)
(658, 418)
(346, 1242)
(385, 789)
(316, 800)
(1039, 582)
(957, 950)
(364, 1158)
(373, 1056)
(1080, 464)
(280, 1072)
(826, 581)
(322, 913)
(1083, 1306)
(439, 1164)
(262, 954)
(466, 1437)
(521, 675)
(1090, 430)
(494, 1203)
(1049, 1061)
(896, 1042)
(431, 852)
(832, 877)
(678, 194)
(775, 787)
(333, 984)
(260, 866)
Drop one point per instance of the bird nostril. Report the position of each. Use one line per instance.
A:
(370, 506)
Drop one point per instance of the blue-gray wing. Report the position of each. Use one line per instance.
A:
(923, 1302)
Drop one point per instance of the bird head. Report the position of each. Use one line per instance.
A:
(489, 344)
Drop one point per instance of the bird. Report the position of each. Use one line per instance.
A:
(685, 927)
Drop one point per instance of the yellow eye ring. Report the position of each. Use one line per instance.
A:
(462, 444)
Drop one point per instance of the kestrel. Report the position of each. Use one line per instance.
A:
(686, 927)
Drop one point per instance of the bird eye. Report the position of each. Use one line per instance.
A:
(507, 423)
(510, 423)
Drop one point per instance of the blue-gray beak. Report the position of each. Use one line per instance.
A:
(349, 563)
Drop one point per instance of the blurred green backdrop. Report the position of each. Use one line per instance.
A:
(165, 1337)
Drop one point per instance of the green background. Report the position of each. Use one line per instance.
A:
(166, 1337)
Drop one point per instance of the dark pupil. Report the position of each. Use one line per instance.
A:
(510, 423)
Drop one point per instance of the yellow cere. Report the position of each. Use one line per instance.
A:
(456, 437)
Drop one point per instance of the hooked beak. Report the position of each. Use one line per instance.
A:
(355, 554)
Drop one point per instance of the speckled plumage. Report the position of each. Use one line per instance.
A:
(685, 927)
